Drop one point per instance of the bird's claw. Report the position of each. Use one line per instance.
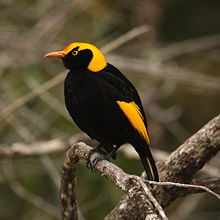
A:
(94, 156)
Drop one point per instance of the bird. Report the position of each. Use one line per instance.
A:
(104, 104)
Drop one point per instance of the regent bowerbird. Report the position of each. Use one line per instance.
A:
(104, 103)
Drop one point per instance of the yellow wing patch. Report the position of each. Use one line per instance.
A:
(132, 112)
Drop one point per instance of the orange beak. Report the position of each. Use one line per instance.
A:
(55, 54)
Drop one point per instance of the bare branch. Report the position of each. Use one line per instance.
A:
(126, 182)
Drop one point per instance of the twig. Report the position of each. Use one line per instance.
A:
(151, 197)
(185, 186)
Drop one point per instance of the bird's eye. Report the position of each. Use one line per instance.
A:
(74, 53)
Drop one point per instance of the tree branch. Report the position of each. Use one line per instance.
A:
(132, 185)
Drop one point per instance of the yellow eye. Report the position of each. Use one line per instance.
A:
(74, 53)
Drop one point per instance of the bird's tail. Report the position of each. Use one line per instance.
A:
(149, 165)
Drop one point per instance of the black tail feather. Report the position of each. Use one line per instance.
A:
(149, 166)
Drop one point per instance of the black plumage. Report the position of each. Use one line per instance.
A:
(93, 94)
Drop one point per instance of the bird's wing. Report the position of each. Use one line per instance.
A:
(122, 95)
(131, 91)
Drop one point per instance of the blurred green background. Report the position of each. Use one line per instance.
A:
(175, 66)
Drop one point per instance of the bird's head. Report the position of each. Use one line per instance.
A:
(80, 55)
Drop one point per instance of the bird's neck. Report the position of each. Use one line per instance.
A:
(74, 80)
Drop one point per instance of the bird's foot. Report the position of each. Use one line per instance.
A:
(94, 156)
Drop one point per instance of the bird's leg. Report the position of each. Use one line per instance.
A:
(94, 156)
(112, 154)
(109, 148)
